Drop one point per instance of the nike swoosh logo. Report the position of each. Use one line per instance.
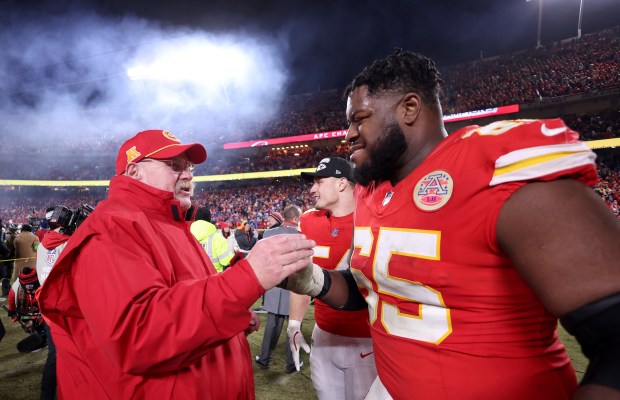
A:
(294, 341)
(551, 131)
(366, 355)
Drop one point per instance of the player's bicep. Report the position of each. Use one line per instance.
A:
(563, 241)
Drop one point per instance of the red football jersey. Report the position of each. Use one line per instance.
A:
(333, 237)
(450, 316)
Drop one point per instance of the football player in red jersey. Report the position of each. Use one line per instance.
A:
(342, 358)
(469, 247)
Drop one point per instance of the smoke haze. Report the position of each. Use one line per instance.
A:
(65, 76)
(63, 63)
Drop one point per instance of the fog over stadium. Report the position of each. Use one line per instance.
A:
(86, 74)
(104, 69)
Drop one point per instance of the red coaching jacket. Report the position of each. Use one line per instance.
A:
(138, 311)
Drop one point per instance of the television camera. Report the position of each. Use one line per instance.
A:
(69, 219)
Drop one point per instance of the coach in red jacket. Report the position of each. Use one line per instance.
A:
(135, 306)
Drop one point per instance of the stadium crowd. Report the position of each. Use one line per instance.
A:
(234, 204)
(608, 187)
(602, 125)
(571, 67)
(566, 68)
(85, 166)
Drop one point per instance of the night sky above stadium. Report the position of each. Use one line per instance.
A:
(64, 60)
(329, 41)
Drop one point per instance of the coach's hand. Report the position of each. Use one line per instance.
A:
(253, 325)
(296, 341)
(276, 257)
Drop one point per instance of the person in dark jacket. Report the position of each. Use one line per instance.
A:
(245, 238)
(277, 300)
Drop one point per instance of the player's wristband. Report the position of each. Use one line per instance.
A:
(355, 301)
(327, 283)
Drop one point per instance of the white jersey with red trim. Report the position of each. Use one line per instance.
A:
(333, 236)
(450, 316)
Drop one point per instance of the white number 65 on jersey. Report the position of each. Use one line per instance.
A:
(432, 324)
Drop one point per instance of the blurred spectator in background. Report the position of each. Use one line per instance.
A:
(211, 240)
(277, 300)
(274, 219)
(5, 265)
(5, 271)
(246, 238)
(230, 237)
(25, 244)
(10, 240)
(43, 230)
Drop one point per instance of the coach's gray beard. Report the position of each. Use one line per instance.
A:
(185, 185)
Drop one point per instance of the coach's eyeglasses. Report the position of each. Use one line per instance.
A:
(178, 165)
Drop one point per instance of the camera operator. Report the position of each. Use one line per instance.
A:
(48, 252)
(6, 267)
(5, 271)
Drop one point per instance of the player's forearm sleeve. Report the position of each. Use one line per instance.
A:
(355, 301)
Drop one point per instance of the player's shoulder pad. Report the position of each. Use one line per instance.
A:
(527, 149)
(538, 131)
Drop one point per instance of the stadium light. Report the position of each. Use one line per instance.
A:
(193, 67)
(579, 22)
(540, 7)
(194, 63)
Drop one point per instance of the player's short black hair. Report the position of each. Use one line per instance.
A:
(403, 71)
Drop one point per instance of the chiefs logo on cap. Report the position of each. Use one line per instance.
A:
(433, 191)
(132, 154)
(170, 136)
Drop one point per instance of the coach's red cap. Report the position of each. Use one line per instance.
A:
(157, 144)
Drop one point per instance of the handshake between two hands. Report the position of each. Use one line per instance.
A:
(286, 261)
